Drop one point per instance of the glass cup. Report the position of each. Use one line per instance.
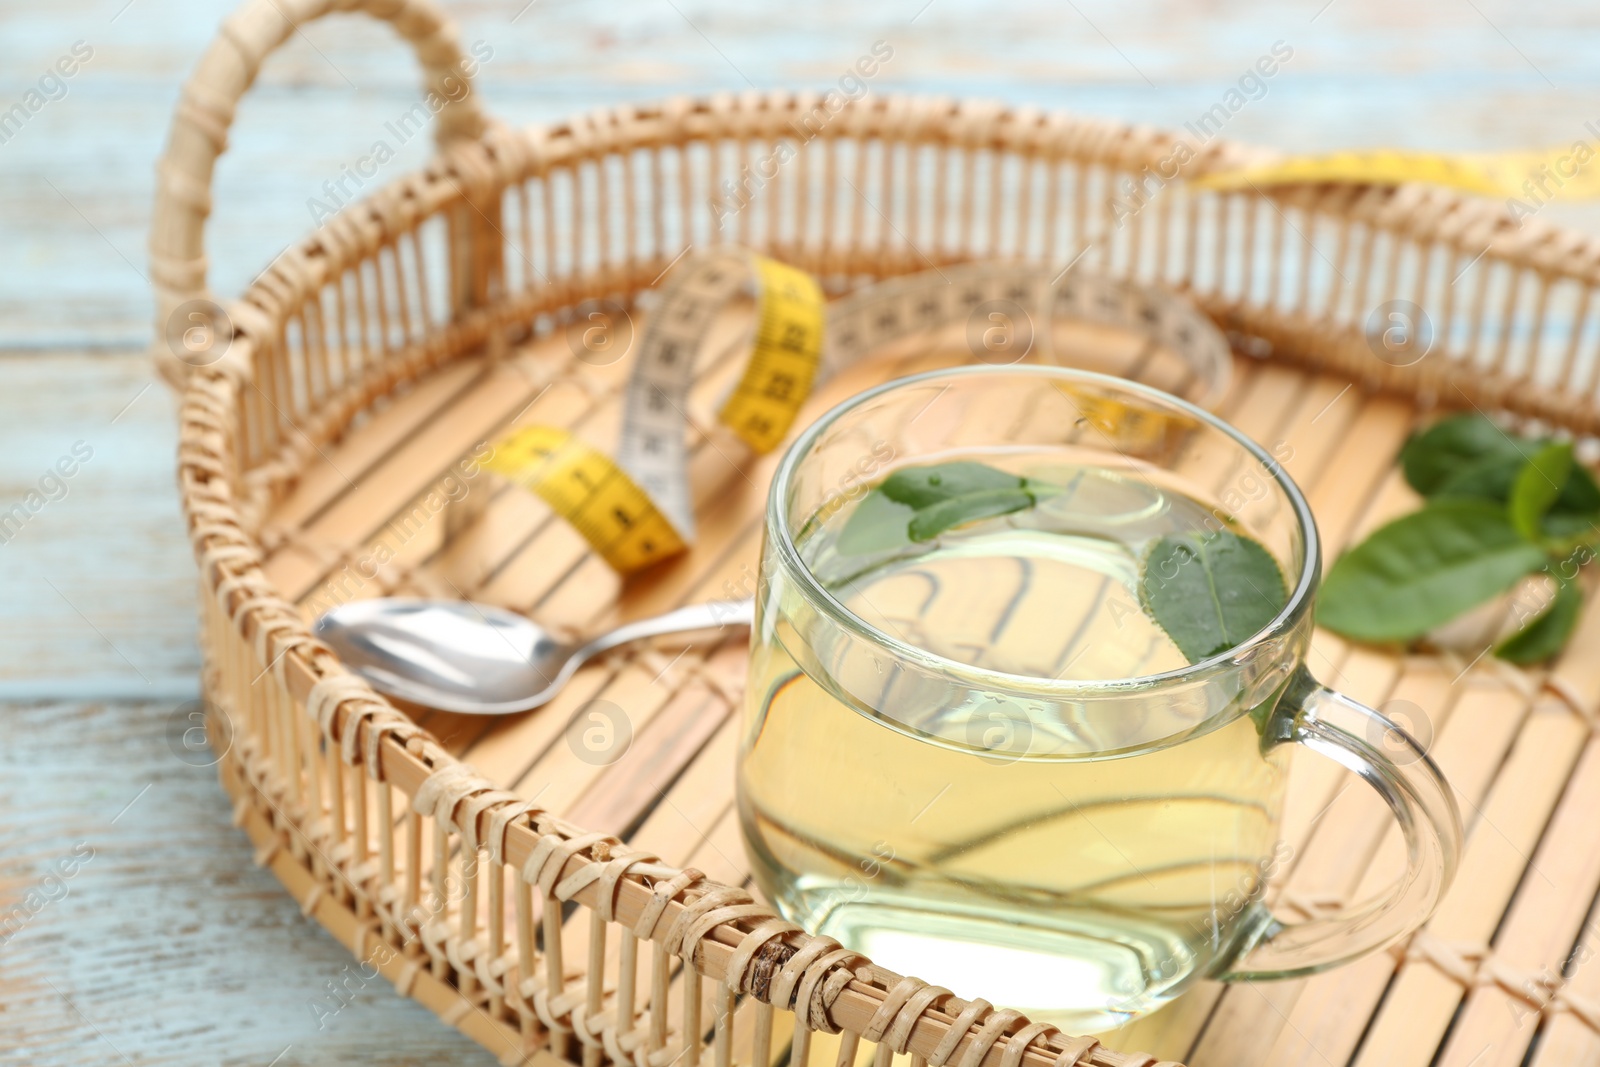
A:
(991, 772)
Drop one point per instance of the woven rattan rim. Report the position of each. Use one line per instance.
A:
(228, 482)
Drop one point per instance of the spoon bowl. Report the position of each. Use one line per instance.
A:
(477, 659)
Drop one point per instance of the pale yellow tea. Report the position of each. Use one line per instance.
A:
(922, 809)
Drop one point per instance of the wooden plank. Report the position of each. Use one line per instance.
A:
(97, 566)
(363, 450)
(1567, 1037)
(695, 802)
(166, 944)
(1422, 1000)
(721, 854)
(1381, 428)
(1499, 1020)
(641, 698)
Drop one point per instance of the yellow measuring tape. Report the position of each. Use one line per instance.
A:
(636, 509)
(783, 361)
(587, 488)
(1532, 178)
(607, 504)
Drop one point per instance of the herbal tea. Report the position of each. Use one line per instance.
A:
(1078, 869)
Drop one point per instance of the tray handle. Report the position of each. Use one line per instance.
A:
(185, 307)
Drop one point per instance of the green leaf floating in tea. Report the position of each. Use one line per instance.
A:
(916, 504)
(1210, 591)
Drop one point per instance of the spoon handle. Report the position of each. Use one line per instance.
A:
(712, 615)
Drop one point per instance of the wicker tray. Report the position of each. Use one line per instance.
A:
(371, 356)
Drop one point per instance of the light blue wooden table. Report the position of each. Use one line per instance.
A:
(166, 945)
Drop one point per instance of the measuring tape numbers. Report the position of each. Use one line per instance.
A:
(785, 353)
(584, 486)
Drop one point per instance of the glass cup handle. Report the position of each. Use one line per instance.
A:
(1409, 781)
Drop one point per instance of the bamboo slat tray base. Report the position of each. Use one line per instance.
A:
(1502, 969)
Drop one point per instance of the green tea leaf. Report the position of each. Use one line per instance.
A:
(1210, 591)
(1575, 516)
(935, 519)
(1490, 478)
(1546, 633)
(921, 487)
(1537, 486)
(1424, 569)
(1464, 455)
(878, 524)
(1580, 495)
(916, 504)
(1469, 456)
(1565, 529)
